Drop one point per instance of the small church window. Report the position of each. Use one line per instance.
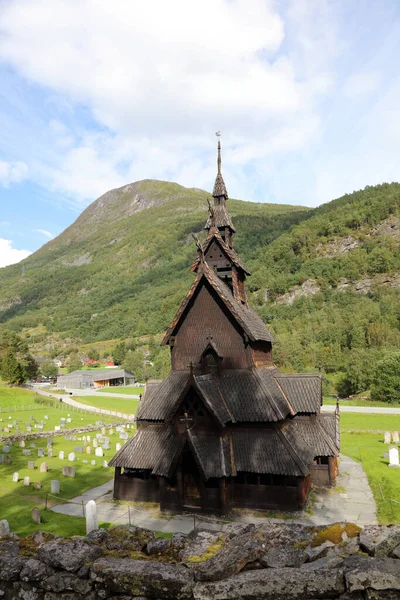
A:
(209, 363)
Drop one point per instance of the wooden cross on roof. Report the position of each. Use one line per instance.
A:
(187, 421)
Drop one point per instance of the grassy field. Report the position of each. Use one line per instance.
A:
(124, 405)
(129, 389)
(17, 500)
(370, 422)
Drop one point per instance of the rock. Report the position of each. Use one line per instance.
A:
(62, 582)
(382, 595)
(143, 578)
(128, 537)
(68, 596)
(68, 554)
(234, 529)
(9, 547)
(26, 591)
(197, 543)
(10, 567)
(97, 535)
(319, 551)
(362, 572)
(233, 556)
(158, 546)
(379, 540)
(331, 561)
(274, 584)
(285, 534)
(395, 553)
(179, 539)
(34, 570)
(283, 557)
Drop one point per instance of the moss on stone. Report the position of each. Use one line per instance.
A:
(209, 553)
(334, 533)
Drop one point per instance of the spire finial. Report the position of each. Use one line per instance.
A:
(218, 134)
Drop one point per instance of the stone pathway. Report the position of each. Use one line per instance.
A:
(356, 504)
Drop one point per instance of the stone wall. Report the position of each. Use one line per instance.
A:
(269, 562)
(17, 437)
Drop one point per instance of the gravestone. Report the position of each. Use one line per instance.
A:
(46, 417)
(93, 463)
(8, 459)
(4, 527)
(44, 468)
(95, 443)
(88, 450)
(111, 432)
(68, 471)
(28, 429)
(117, 446)
(31, 465)
(103, 431)
(99, 452)
(40, 453)
(69, 420)
(1, 459)
(15, 478)
(22, 444)
(71, 456)
(106, 446)
(84, 461)
(62, 420)
(91, 517)
(6, 430)
(37, 485)
(32, 445)
(26, 452)
(78, 449)
(88, 438)
(50, 452)
(27, 481)
(35, 515)
(6, 449)
(55, 486)
(395, 437)
(57, 427)
(387, 437)
(105, 463)
(394, 457)
(61, 455)
(123, 435)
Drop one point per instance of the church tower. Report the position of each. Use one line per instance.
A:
(225, 428)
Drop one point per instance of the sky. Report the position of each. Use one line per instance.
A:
(95, 94)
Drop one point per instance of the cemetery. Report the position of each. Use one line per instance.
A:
(48, 456)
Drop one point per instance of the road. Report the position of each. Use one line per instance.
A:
(366, 410)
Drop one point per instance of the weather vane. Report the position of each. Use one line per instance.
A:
(218, 133)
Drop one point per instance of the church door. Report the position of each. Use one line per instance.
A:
(191, 482)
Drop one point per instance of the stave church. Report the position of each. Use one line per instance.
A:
(226, 429)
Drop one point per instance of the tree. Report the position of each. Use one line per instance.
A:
(119, 352)
(11, 370)
(134, 362)
(74, 363)
(48, 369)
(93, 354)
(386, 379)
(358, 374)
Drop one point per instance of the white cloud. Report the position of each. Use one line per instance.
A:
(359, 85)
(46, 233)
(12, 172)
(10, 255)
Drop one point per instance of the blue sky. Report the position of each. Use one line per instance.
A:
(97, 94)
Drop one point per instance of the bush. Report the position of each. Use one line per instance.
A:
(386, 379)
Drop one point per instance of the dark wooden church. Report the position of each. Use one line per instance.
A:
(225, 428)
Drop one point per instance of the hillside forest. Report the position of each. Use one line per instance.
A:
(325, 280)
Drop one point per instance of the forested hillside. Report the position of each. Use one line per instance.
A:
(327, 281)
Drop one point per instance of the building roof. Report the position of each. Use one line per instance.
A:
(230, 252)
(245, 316)
(304, 392)
(221, 218)
(288, 448)
(99, 374)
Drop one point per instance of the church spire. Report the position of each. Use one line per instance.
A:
(221, 218)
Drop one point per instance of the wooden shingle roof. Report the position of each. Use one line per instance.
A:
(229, 252)
(304, 392)
(245, 316)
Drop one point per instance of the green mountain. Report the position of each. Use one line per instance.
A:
(326, 280)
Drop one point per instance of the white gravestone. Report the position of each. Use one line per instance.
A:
(394, 457)
(91, 517)
(71, 456)
(105, 463)
(395, 437)
(55, 486)
(15, 478)
(61, 455)
(95, 443)
(99, 452)
(387, 437)
(93, 463)
(117, 446)
(27, 481)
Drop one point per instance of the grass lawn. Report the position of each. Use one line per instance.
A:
(17, 500)
(370, 422)
(129, 389)
(124, 405)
